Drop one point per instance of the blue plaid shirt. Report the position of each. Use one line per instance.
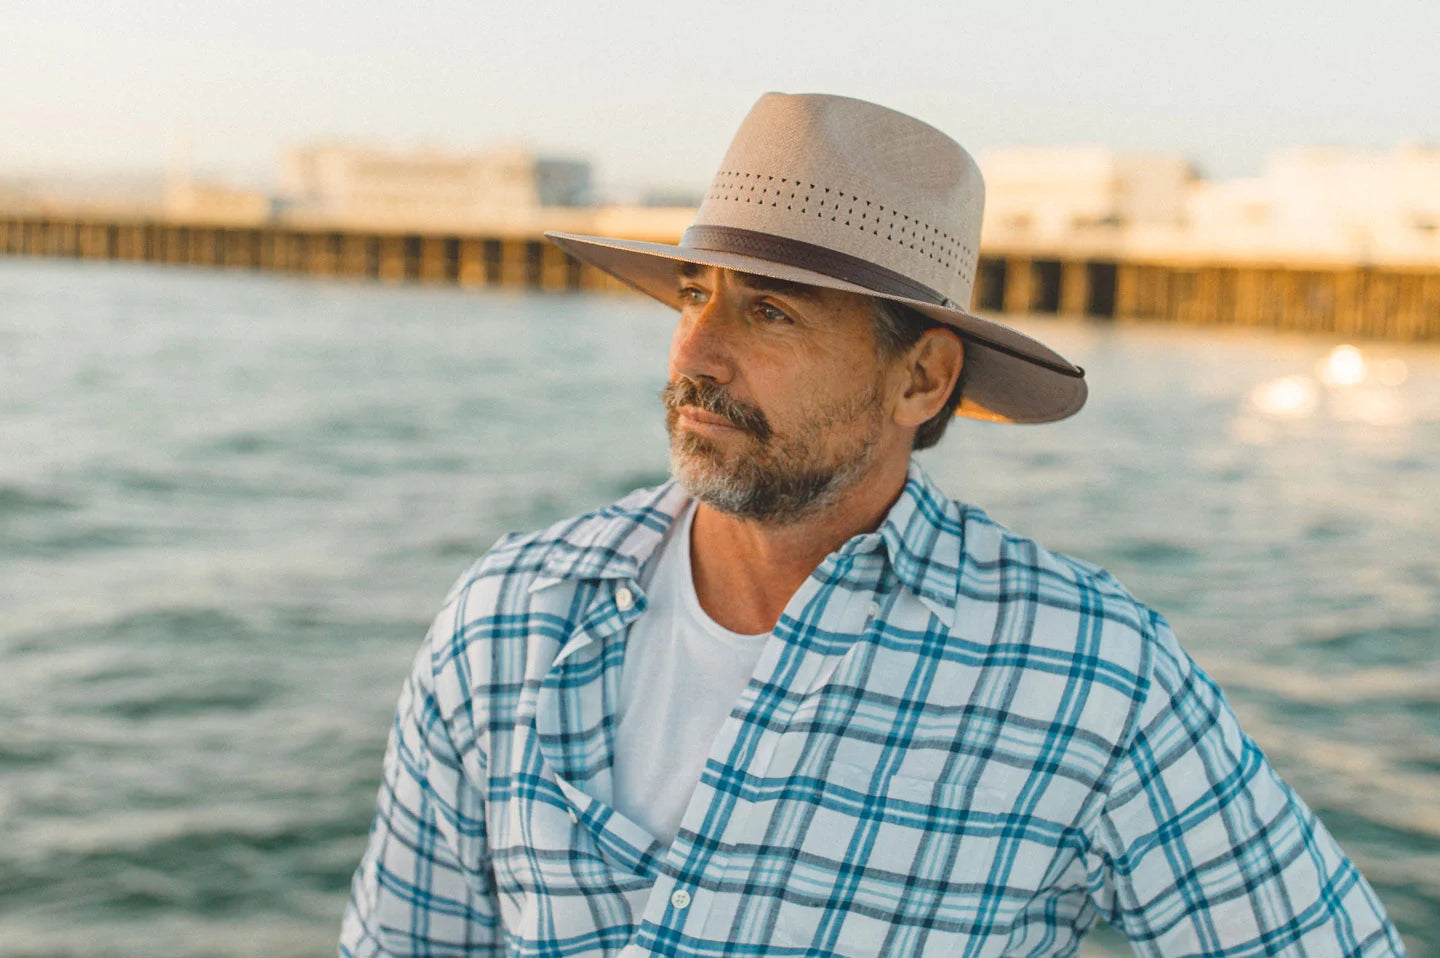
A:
(955, 743)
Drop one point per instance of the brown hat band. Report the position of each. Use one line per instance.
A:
(841, 266)
(782, 249)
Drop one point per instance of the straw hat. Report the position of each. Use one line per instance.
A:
(845, 194)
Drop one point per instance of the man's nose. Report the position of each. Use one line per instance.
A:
(702, 346)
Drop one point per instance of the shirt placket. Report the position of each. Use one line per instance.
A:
(830, 604)
(584, 705)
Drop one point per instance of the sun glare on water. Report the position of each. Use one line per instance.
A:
(1344, 366)
(1347, 386)
(1290, 397)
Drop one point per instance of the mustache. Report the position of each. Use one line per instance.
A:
(715, 400)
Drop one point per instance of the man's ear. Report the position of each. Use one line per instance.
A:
(932, 366)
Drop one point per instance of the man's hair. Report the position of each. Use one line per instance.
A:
(897, 328)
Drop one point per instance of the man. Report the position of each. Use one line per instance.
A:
(797, 702)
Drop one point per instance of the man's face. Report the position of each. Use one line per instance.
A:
(775, 401)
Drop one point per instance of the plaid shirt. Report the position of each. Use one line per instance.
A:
(955, 743)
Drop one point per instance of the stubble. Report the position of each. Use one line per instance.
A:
(764, 476)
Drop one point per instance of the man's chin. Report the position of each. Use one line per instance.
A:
(696, 461)
(731, 485)
(706, 471)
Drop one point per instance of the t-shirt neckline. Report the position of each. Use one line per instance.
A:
(692, 599)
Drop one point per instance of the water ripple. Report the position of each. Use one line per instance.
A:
(230, 503)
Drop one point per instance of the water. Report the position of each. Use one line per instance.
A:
(229, 505)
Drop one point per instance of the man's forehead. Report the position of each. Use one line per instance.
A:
(764, 284)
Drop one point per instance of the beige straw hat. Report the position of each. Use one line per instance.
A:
(845, 194)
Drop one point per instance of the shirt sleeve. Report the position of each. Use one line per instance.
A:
(424, 884)
(1202, 849)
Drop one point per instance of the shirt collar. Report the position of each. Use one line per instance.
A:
(922, 536)
(616, 541)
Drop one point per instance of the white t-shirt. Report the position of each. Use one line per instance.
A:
(683, 675)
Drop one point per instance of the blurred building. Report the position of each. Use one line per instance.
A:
(341, 183)
(1326, 204)
(1308, 205)
(120, 193)
(204, 202)
(1061, 196)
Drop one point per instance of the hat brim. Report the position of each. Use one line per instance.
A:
(1009, 377)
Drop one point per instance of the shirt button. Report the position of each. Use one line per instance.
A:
(680, 898)
(573, 817)
(874, 609)
(624, 598)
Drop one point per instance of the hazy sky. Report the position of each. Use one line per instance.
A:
(652, 91)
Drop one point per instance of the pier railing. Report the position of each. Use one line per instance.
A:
(1363, 301)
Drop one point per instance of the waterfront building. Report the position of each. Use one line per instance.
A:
(1318, 205)
(428, 188)
(1309, 206)
(1058, 197)
(192, 200)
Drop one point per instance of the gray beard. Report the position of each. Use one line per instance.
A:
(779, 482)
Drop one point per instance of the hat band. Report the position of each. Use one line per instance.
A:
(818, 259)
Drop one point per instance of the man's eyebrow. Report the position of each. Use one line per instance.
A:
(764, 284)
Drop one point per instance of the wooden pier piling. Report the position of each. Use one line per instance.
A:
(1389, 302)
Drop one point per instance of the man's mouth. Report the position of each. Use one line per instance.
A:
(706, 408)
(695, 414)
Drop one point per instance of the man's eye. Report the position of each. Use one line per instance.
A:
(691, 294)
(773, 314)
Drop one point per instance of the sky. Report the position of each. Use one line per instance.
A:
(651, 92)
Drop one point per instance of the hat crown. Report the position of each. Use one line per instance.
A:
(856, 178)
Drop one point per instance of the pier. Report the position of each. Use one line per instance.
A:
(1353, 300)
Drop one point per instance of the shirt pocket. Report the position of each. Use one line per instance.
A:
(903, 860)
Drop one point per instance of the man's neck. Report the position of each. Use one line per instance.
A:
(746, 572)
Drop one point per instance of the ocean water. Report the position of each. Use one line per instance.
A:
(230, 503)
